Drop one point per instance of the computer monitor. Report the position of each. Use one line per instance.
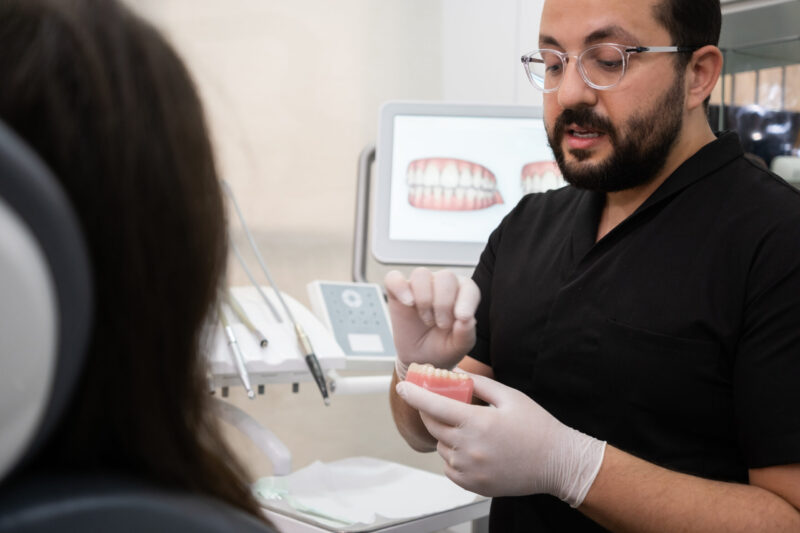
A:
(448, 173)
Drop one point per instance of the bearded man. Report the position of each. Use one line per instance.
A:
(636, 335)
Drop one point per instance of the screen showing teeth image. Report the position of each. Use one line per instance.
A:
(454, 177)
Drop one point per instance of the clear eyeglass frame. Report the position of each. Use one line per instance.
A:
(536, 66)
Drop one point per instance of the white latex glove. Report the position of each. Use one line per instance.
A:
(512, 447)
(433, 317)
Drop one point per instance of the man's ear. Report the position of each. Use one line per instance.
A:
(702, 74)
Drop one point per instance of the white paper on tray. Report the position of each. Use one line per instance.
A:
(358, 490)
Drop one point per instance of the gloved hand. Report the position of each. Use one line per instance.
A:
(433, 317)
(512, 447)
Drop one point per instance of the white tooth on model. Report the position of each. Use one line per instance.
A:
(430, 371)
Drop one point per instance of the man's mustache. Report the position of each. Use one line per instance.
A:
(585, 118)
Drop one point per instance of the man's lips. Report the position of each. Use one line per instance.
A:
(582, 131)
(582, 137)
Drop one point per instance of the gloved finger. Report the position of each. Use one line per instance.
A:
(443, 433)
(464, 335)
(441, 408)
(445, 290)
(398, 288)
(422, 288)
(448, 455)
(492, 392)
(469, 296)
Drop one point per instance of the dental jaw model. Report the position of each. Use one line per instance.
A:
(455, 385)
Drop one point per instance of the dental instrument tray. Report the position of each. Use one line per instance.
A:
(280, 360)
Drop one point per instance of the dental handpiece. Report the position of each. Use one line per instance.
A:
(238, 356)
(312, 362)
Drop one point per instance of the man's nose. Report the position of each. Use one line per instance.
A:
(574, 91)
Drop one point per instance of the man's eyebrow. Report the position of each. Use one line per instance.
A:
(603, 34)
(615, 32)
(547, 39)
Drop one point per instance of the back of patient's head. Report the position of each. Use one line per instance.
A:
(110, 108)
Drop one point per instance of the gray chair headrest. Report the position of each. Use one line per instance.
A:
(45, 301)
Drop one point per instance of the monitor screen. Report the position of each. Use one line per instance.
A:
(449, 173)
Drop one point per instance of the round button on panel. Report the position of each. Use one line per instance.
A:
(351, 298)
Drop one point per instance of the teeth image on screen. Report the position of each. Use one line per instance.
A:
(541, 176)
(448, 184)
(447, 177)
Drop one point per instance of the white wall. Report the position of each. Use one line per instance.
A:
(292, 91)
(481, 47)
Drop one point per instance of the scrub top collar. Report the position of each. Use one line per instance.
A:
(708, 159)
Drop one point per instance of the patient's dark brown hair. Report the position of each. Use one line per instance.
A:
(109, 106)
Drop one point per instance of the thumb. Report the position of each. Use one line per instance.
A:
(464, 334)
(491, 391)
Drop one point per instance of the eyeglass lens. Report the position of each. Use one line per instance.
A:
(601, 66)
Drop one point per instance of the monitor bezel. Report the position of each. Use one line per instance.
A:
(436, 253)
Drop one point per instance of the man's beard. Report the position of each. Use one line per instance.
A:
(637, 156)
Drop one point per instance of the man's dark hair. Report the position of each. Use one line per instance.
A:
(690, 23)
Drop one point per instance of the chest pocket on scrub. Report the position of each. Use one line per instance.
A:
(665, 378)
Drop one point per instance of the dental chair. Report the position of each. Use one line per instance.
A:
(45, 320)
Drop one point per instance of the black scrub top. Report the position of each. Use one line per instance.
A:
(676, 337)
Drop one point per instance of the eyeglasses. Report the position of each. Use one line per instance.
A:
(601, 66)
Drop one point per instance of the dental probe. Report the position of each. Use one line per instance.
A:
(305, 343)
(230, 299)
(238, 357)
